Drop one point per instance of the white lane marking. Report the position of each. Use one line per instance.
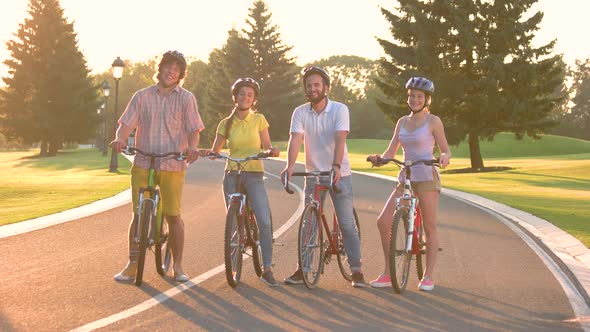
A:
(165, 296)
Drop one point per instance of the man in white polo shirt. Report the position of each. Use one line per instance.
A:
(323, 125)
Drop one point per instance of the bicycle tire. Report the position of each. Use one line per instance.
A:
(310, 246)
(254, 235)
(233, 245)
(420, 250)
(342, 256)
(399, 257)
(162, 249)
(145, 221)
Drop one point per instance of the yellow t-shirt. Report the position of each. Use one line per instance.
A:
(244, 140)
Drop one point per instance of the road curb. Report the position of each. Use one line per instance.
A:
(571, 255)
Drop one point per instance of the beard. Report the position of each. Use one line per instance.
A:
(318, 98)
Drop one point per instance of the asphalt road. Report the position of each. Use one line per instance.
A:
(61, 278)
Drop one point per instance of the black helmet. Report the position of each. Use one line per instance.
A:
(315, 70)
(245, 81)
(422, 84)
(174, 56)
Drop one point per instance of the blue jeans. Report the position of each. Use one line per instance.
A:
(253, 183)
(343, 205)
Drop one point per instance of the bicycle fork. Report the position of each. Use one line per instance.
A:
(154, 213)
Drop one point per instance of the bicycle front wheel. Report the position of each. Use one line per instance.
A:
(399, 257)
(310, 246)
(145, 220)
(233, 245)
(162, 249)
(343, 263)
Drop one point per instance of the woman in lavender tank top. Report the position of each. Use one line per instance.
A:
(416, 133)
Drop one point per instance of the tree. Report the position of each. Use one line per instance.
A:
(578, 120)
(275, 71)
(233, 60)
(197, 81)
(352, 82)
(49, 96)
(488, 76)
(136, 76)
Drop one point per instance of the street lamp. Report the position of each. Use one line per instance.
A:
(106, 91)
(117, 66)
(99, 134)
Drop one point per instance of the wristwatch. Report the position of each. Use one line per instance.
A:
(337, 165)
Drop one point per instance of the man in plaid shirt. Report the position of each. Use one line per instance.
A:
(166, 119)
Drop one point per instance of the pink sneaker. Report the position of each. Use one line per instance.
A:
(381, 282)
(426, 284)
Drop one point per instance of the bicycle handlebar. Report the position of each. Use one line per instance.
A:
(330, 173)
(130, 151)
(406, 163)
(258, 156)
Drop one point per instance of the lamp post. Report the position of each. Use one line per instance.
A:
(106, 91)
(117, 66)
(100, 141)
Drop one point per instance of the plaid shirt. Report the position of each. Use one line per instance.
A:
(162, 123)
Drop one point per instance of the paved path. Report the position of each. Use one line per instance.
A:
(569, 257)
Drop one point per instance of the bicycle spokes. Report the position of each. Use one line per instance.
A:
(310, 246)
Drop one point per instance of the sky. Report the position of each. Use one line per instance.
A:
(139, 30)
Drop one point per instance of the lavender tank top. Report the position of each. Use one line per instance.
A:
(418, 145)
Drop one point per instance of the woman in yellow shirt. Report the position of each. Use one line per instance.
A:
(245, 132)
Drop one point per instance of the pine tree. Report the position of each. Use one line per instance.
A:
(232, 61)
(274, 70)
(50, 97)
(578, 119)
(488, 76)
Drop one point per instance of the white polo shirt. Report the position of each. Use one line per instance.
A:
(318, 133)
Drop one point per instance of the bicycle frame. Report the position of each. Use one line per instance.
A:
(333, 245)
(414, 211)
(319, 189)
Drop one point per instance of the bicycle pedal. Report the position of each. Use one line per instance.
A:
(278, 244)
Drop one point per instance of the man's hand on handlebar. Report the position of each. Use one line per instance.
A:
(192, 155)
(118, 145)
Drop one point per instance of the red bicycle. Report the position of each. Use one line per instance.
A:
(407, 232)
(313, 251)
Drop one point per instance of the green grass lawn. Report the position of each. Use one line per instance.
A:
(32, 187)
(549, 178)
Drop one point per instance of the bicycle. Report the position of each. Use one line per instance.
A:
(241, 228)
(313, 251)
(407, 232)
(151, 229)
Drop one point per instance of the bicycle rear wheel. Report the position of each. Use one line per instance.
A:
(343, 263)
(145, 220)
(233, 245)
(399, 257)
(254, 234)
(310, 246)
(162, 249)
(419, 250)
